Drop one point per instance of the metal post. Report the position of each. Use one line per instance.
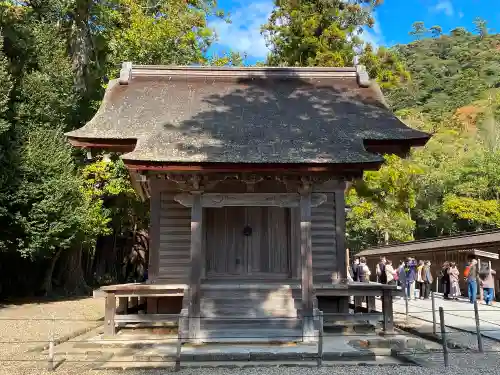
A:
(50, 365)
(478, 328)
(443, 336)
(180, 327)
(437, 284)
(434, 330)
(406, 302)
(320, 341)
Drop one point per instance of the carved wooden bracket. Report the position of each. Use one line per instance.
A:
(187, 182)
(249, 199)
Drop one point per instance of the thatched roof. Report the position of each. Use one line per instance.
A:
(246, 115)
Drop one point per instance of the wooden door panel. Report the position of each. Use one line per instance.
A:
(224, 241)
(268, 246)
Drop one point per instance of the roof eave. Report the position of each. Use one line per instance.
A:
(354, 170)
(399, 147)
(108, 144)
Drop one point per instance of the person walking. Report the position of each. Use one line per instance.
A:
(420, 279)
(427, 279)
(471, 275)
(488, 284)
(454, 275)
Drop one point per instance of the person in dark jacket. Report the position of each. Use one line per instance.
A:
(355, 269)
(445, 280)
(427, 279)
(381, 275)
(410, 270)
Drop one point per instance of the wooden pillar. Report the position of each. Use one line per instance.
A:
(342, 252)
(340, 232)
(122, 305)
(154, 230)
(387, 310)
(370, 304)
(152, 305)
(196, 266)
(109, 314)
(306, 263)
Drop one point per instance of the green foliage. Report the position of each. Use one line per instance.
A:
(381, 203)
(49, 195)
(385, 67)
(327, 33)
(448, 72)
(316, 33)
(450, 185)
(173, 32)
(55, 59)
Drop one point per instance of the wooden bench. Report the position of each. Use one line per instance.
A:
(368, 290)
(130, 295)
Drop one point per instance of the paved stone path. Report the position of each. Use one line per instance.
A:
(457, 314)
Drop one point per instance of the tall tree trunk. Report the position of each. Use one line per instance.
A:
(47, 280)
(73, 279)
(81, 45)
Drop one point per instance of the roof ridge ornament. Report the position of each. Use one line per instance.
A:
(362, 76)
(125, 73)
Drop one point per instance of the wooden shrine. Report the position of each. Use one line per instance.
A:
(245, 169)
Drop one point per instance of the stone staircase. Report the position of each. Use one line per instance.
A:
(246, 313)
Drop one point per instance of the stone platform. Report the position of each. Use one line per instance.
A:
(133, 350)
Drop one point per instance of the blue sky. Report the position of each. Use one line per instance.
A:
(393, 21)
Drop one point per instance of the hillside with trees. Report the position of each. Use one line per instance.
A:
(70, 222)
(451, 185)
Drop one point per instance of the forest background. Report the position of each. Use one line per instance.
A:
(69, 223)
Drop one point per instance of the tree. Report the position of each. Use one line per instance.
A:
(481, 27)
(436, 31)
(7, 155)
(381, 204)
(327, 33)
(316, 33)
(58, 212)
(418, 30)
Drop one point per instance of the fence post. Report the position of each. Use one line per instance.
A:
(478, 328)
(320, 341)
(50, 365)
(180, 327)
(406, 302)
(434, 329)
(443, 336)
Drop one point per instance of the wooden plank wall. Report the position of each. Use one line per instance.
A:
(175, 240)
(324, 240)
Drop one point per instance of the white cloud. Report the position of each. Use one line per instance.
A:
(444, 6)
(243, 33)
(374, 35)
(460, 15)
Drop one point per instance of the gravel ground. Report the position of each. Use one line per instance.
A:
(459, 359)
(24, 333)
(24, 327)
(340, 370)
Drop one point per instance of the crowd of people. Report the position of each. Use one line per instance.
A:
(413, 276)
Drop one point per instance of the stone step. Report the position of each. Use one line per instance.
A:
(244, 323)
(211, 309)
(244, 335)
